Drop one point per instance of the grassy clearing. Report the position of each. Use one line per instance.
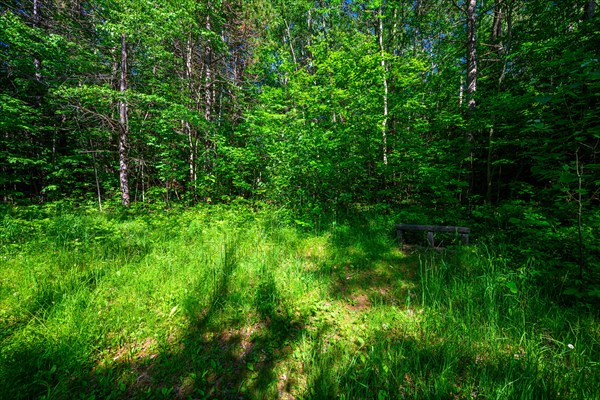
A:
(215, 303)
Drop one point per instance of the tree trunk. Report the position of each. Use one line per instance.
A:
(494, 36)
(289, 36)
(309, 25)
(385, 89)
(37, 63)
(461, 90)
(36, 22)
(579, 170)
(497, 24)
(471, 53)
(591, 9)
(124, 127)
(208, 92)
(417, 26)
(489, 169)
(188, 129)
(98, 191)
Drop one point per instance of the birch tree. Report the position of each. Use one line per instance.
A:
(123, 126)
(471, 12)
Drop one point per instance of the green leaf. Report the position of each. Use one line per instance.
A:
(512, 286)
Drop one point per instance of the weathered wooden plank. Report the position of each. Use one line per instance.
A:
(430, 239)
(433, 228)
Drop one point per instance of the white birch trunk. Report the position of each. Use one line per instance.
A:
(36, 22)
(124, 127)
(471, 53)
(191, 133)
(385, 90)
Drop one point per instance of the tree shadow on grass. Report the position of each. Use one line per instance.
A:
(365, 266)
(40, 367)
(401, 366)
(223, 355)
(219, 354)
(427, 361)
(36, 360)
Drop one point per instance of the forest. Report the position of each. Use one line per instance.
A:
(198, 198)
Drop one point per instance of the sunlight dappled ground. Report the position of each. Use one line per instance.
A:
(238, 304)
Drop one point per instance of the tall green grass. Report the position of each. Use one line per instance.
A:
(232, 303)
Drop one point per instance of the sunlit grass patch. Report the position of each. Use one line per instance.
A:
(227, 304)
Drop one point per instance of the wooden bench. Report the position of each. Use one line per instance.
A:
(430, 229)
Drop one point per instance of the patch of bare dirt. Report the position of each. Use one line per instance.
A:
(359, 302)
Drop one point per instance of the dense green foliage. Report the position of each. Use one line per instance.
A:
(477, 113)
(284, 101)
(319, 107)
(227, 303)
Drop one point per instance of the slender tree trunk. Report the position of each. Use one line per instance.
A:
(207, 88)
(99, 193)
(37, 63)
(497, 24)
(494, 36)
(417, 26)
(187, 128)
(36, 22)
(471, 84)
(591, 9)
(489, 170)
(208, 75)
(471, 53)
(191, 132)
(289, 35)
(143, 183)
(208, 95)
(461, 92)
(385, 89)
(124, 127)
(579, 168)
(309, 25)
(395, 42)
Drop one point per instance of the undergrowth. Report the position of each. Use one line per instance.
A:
(233, 303)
